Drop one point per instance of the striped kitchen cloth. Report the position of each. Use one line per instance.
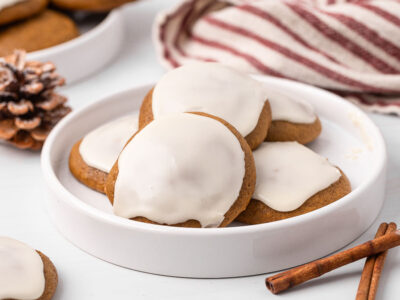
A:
(349, 47)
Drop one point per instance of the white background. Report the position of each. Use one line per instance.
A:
(22, 213)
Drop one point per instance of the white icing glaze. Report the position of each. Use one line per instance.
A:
(21, 271)
(211, 88)
(7, 3)
(101, 147)
(286, 108)
(180, 167)
(289, 173)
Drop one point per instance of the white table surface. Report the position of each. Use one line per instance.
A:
(81, 276)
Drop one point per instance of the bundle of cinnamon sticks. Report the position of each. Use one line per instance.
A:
(387, 237)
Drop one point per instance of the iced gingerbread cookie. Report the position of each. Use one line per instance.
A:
(292, 180)
(89, 5)
(292, 120)
(44, 30)
(92, 157)
(214, 89)
(25, 274)
(15, 10)
(184, 169)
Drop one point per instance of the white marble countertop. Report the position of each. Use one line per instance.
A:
(22, 213)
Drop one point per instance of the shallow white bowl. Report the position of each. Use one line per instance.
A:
(88, 53)
(349, 139)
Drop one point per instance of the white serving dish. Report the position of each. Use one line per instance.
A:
(88, 53)
(349, 139)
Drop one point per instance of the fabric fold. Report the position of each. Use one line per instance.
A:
(349, 47)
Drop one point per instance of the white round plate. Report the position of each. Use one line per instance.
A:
(88, 53)
(349, 139)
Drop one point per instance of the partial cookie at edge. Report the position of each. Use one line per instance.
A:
(21, 10)
(51, 277)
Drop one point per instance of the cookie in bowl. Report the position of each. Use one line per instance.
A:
(184, 169)
(25, 273)
(92, 157)
(214, 89)
(292, 119)
(292, 180)
(15, 10)
(44, 30)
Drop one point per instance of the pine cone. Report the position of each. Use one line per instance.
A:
(29, 107)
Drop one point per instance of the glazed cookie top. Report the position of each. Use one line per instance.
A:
(180, 167)
(100, 148)
(214, 89)
(289, 173)
(286, 108)
(21, 271)
(7, 3)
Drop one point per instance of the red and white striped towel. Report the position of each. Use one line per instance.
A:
(350, 47)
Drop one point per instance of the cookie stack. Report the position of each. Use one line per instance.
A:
(211, 145)
(30, 25)
(38, 24)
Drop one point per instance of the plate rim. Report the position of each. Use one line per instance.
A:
(70, 199)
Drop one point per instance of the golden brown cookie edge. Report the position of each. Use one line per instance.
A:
(259, 133)
(87, 175)
(284, 131)
(90, 5)
(51, 277)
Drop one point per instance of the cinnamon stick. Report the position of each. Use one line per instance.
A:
(365, 281)
(293, 277)
(378, 267)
